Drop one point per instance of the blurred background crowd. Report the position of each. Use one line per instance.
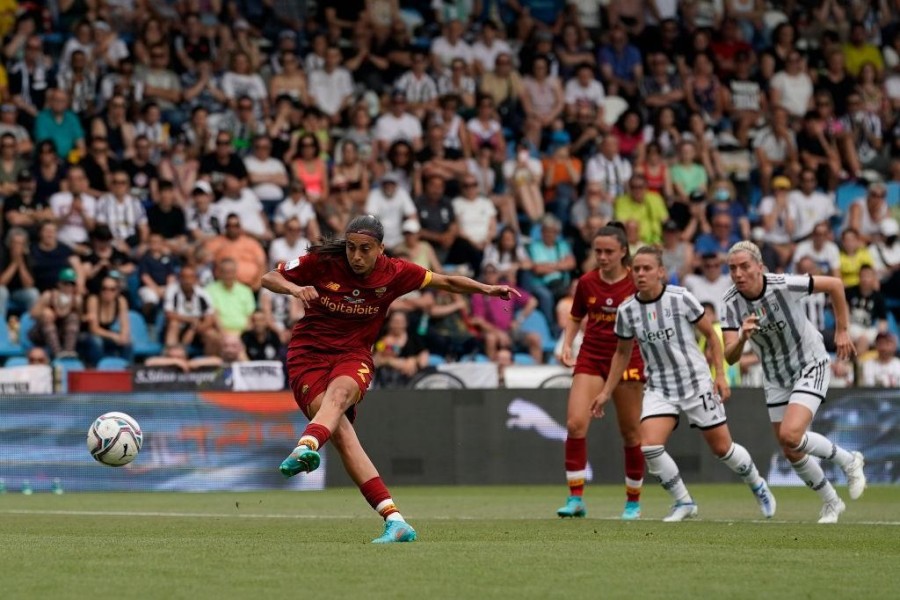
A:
(156, 158)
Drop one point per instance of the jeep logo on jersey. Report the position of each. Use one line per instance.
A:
(773, 326)
(663, 335)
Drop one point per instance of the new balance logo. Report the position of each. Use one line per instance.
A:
(333, 286)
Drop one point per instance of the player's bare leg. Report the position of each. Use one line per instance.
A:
(655, 432)
(628, 399)
(326, 410)
(364, 474)
(578, 421)
(735, 457)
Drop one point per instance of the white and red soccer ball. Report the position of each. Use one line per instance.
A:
(114, 439)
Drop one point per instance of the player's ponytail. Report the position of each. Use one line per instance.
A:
(615, 229)
(363, 225)
(330, 246)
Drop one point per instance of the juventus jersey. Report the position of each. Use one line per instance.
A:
(786, 341)
(664, 330)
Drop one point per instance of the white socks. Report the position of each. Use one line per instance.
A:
(661, 466)
(813, 476)
(820, 446)
(738, 460)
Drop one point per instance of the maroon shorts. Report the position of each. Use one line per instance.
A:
(310, 373)
(633, 372)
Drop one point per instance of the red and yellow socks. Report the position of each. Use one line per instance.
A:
(314, 436)
(576, 465)
(378, 497)
(634, 473)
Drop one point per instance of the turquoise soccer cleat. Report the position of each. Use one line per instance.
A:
(396, 531)
(574, 507)
(301, 460)
(632, 511)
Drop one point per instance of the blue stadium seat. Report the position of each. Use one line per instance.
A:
(435, 360)
(113, 363)
(141, 343)
(479, 358)
(523, 358)
(16, 361)
(537, 323)
(7, 348)
(846, 194)
(893, 193)
(26, 322)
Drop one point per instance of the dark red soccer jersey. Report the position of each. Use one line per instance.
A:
(599, 301)
(350, 310)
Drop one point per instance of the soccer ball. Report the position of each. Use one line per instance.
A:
(114, 439)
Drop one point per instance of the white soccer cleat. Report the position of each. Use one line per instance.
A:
(681, 511)
(831, 511)
(765, 499)
(856, 478)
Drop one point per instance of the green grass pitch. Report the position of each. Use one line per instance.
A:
(484, 542)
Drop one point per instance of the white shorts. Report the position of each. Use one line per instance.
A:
(808, 391)
(704, 410)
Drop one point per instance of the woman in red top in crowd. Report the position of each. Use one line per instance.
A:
(597, 297)
(347, 286)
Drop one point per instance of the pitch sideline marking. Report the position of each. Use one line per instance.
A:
(181, 515)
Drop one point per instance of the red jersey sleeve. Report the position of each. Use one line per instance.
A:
(409, 277)
(301, 271)
(579, 302)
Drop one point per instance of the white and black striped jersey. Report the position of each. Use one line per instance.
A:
(664, 329)
(786, 341)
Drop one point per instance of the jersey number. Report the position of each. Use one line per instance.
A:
(631, 375)
(709, 401)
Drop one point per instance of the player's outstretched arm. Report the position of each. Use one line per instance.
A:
(276, 282)
(834, 287)
(464, 285)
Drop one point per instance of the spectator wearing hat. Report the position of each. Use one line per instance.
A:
(9, 114)
(166, 218)
(866, 214)
(391, 205)
(882, 369)
(501, 324)
(331, 88)
(646, 208)
(416, 249)
(16, 279)
(105, 259)
(819, 248)
(23, 209)
(562, 175)
(57, 316)
(123, 213)
(398, 125)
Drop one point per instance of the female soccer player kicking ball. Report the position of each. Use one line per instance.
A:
(767, 311)
(598, 295)
(347, 286)
(662, 318)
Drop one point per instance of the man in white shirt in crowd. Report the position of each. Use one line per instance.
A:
(297, 206)
(391, 205)
(487, 48)
(710, 287)
(821, 250)
(398, 124)
(811, 206)
(243, 203)
(883, 370)
(331, 87)
(123, 213)
(584, 89)
(450, 46)
(267, 175)
(291, 245)
(75, 210)
(476, 216)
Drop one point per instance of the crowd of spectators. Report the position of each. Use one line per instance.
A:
(158, 157)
